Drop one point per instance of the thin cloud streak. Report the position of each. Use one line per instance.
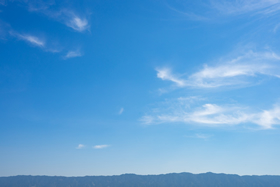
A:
(165, 74)
(223, 9)
(34, 40)
(213, 115)
(77, 23)
(121, 111)
(235, 71)
(69, 18)
(72, 54)
(200, 136)
(246, 6)
(66, 16)
(80, 146)
(189, 15)
(100, 146)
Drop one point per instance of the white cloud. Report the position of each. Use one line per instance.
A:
(72, 54)
(200, 136)
(165, 74)
(224, 9)
(100, 146)
(121, 111)
(212, 115)
(34, 40)
(234, 71)
(50, 46)
(66, 16)
(80, 146)
(268, 118)
(147, 119)
(246, 6)
(38, 5)
(77, 23)
(208, 114)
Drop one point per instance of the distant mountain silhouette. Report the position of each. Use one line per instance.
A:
(132, 180)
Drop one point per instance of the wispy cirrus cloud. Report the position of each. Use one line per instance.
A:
(78, 21)
(80, 146)
(222, 9)
(241, 71)
(213, 115)
(121, 111)
(73, 54)
(200, 136)
(100, 146)
(66, 16)
(34, 40)
(166, 74)
(245, 6)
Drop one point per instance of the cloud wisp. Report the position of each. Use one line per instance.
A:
(36, 41)
(73, 54)
(246, 6)
(80, 146)
(121, 111)
(67, 17)
(212, 115)
(64, 15)
(31, 39)
(200, 136)
(240, 71)
(77, 23)
(216, 9)
(100, 146)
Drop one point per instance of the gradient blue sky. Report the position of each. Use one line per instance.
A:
(104, 87)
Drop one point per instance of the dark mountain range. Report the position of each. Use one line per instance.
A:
(132, 180)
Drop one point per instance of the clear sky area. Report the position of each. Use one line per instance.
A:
(106, 87)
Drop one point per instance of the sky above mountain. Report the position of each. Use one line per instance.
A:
(107, 87)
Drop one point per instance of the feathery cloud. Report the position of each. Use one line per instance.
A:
(80, 146)
(72, 54)
(236, 71)
(223, 9)
(200, 136)
(212, 115)
(268, 118)
(67, 16)
(246, 6)
(34, 40)
(121, 111)
(165, 74)
(77, 23)
(100, 146)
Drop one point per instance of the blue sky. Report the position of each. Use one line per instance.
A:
(146, 87)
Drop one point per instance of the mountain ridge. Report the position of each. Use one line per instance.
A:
(184, 179)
